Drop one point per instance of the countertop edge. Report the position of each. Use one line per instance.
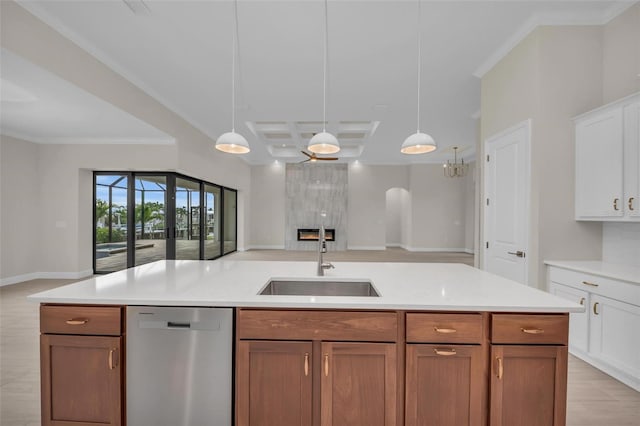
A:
(577, 266)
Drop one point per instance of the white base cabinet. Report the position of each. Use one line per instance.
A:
(607, 333)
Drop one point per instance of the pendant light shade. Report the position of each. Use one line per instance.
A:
(418, 143)
(232, 142)
(324, 142)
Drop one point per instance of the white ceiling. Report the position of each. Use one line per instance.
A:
(41, 107)
(180, 53)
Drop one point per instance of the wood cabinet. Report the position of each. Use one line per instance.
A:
(446, 369)
(528, 369)
(607, 162)
(81, 365)
(274, 383)
(605, 334)
(528, 385)
(335, 376)
(358, 384)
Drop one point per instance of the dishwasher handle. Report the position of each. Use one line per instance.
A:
(171, 324)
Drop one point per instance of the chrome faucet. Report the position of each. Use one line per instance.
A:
(322, 248)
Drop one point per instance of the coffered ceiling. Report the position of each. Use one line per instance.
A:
(180, 53)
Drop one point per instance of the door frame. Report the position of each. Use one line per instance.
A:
(526, 124)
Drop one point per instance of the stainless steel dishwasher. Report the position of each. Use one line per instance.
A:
(179, 366)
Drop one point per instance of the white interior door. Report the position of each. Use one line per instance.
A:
(506, 189)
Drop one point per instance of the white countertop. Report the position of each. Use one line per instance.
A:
(402, 286)
(608, 270)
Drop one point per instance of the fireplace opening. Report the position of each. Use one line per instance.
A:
(312, 234)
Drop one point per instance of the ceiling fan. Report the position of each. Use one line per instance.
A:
(313, 157)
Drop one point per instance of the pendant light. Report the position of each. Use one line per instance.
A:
(232, 142)
(418, 143)
(324, 142)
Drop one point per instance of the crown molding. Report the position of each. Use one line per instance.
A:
(87, 140)
(538, 20)
(109, 62)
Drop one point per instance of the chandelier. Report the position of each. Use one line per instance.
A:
(455, 169)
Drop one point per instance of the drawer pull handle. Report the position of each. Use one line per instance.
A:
(588, 283)
(445, 330)
(582, 301)
(306, 364)
(445, 352)
(77, 321)
(532, 330)
(631, 204)
(326, 365)
(615, 204)
(111, 363)
(500, 368)
(595, 308)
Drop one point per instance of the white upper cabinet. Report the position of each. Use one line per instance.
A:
(607, 162)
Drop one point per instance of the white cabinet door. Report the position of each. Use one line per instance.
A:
(578, 321)
(599, 165)
(632, 160)
(615, 335)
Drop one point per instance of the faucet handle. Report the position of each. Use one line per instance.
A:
(324, 247)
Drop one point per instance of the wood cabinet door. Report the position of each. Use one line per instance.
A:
(81, 380)
(445, 385)
(528, 385)
(358, 384)
(274, 383)
(599, 165)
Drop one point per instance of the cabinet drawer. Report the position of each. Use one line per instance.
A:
(444, 328)
(317, 325)
(530, 329)
(71, 319)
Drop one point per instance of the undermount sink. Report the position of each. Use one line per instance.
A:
(282, 287)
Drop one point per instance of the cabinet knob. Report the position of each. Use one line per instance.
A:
(615, 204)
(112, 365)
(590, 284)
(595, 308)
(532, 330)
(500, 368)
(631, 204)
(444, 352)
(582, 301)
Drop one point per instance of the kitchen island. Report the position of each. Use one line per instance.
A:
(443, 344)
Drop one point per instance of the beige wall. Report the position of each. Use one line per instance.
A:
(621, 55)
(21, 213)
(268, 201)
(394, 217)
(366, 205)
(63, 172)
(553, 75)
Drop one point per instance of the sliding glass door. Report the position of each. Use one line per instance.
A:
(188, 213)
(110, 222)
(144, 217)
(150, 218)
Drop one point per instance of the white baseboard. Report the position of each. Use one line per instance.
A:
(260, 247)
(394, 244)
(366, 247)
(469, 251)
(435, 249)
(45, 276)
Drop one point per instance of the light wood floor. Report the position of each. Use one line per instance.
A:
(594, 399)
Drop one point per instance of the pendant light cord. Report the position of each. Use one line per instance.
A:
(419, 57)
(324, 80)
(233, 67)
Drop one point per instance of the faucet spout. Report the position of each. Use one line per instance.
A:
(322, 248)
